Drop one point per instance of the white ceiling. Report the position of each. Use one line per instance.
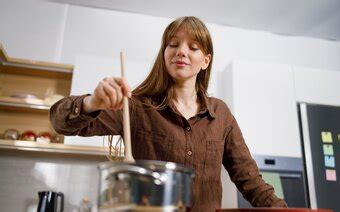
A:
(309, 18)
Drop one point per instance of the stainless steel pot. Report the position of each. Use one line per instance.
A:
(144, 186)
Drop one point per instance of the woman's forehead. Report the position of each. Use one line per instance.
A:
(184, 32)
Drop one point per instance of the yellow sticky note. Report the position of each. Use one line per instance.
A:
(326, 137)
(328, 149)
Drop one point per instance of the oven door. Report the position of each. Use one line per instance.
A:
(293, 190)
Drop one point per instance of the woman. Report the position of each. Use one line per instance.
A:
(173, 119)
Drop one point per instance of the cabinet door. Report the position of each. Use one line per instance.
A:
(263, 102)
(317, 85)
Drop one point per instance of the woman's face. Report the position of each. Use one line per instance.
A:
(184, 58)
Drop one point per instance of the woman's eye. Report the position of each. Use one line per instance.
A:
(173, 45)
(195, 48)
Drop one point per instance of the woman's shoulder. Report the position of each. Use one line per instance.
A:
(218, 104)
(220, 108)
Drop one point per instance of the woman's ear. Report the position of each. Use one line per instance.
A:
(207, 60)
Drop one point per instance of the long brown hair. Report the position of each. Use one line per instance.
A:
(159, 82)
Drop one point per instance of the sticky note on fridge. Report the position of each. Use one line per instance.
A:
(330, 175)
(330, 161)
(328, 149)
(274, 180)
(326, 137)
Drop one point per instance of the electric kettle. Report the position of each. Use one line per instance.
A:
(48, 201)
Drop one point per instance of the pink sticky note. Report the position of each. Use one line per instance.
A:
(330, 175)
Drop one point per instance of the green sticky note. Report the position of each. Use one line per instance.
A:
(328, 149)
(274, 180)
(326, 137)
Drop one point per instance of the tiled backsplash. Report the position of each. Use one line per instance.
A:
(21, 177)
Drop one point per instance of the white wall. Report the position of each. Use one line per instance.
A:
(32, 29)
(317, 86)
(263, 103)
(104, 32)
(55, 32)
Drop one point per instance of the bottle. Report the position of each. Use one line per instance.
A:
(85, 205)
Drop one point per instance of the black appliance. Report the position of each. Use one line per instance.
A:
(48, 201)
(291, 173)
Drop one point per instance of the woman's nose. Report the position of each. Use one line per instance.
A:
(182, 51)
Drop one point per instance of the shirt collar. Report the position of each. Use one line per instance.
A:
(206, 106)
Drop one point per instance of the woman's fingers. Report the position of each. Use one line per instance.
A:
(103, 95)
(119, 94)
(110, 92)
(126, 89)
(114, 87)
(119, 97)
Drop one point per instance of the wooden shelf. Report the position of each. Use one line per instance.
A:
(11, 103)
(38, 78)
(52, 148)
(33, 68)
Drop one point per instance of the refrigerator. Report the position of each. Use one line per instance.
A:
(320, 134)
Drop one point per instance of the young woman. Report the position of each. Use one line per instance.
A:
(173, 119)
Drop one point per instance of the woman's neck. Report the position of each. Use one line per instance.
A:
(185, 94)
(185, 100)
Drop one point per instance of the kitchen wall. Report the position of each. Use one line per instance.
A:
(55, 32)
(59, 33)
(23, 175)
(32, 29)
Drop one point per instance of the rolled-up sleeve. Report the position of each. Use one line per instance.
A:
(244, 172)
(67, 118)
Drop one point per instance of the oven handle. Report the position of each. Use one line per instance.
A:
(287, 175)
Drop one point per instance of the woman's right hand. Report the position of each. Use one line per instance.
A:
(107, 95)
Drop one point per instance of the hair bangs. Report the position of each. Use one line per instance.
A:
(195, 29)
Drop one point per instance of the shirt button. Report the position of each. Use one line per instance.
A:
(188, 128)
(76, 110)
(189, 152)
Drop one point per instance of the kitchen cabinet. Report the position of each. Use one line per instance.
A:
(262, 99)
(27, 91)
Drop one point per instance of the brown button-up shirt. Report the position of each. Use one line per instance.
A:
(204, 142)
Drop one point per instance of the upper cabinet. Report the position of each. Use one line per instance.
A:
(27, 91)
(28, 84)
(262, 99)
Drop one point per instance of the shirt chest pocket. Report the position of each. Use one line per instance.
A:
(151, 145)
(214, 153)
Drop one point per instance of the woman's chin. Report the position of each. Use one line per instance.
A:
(184, 78)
